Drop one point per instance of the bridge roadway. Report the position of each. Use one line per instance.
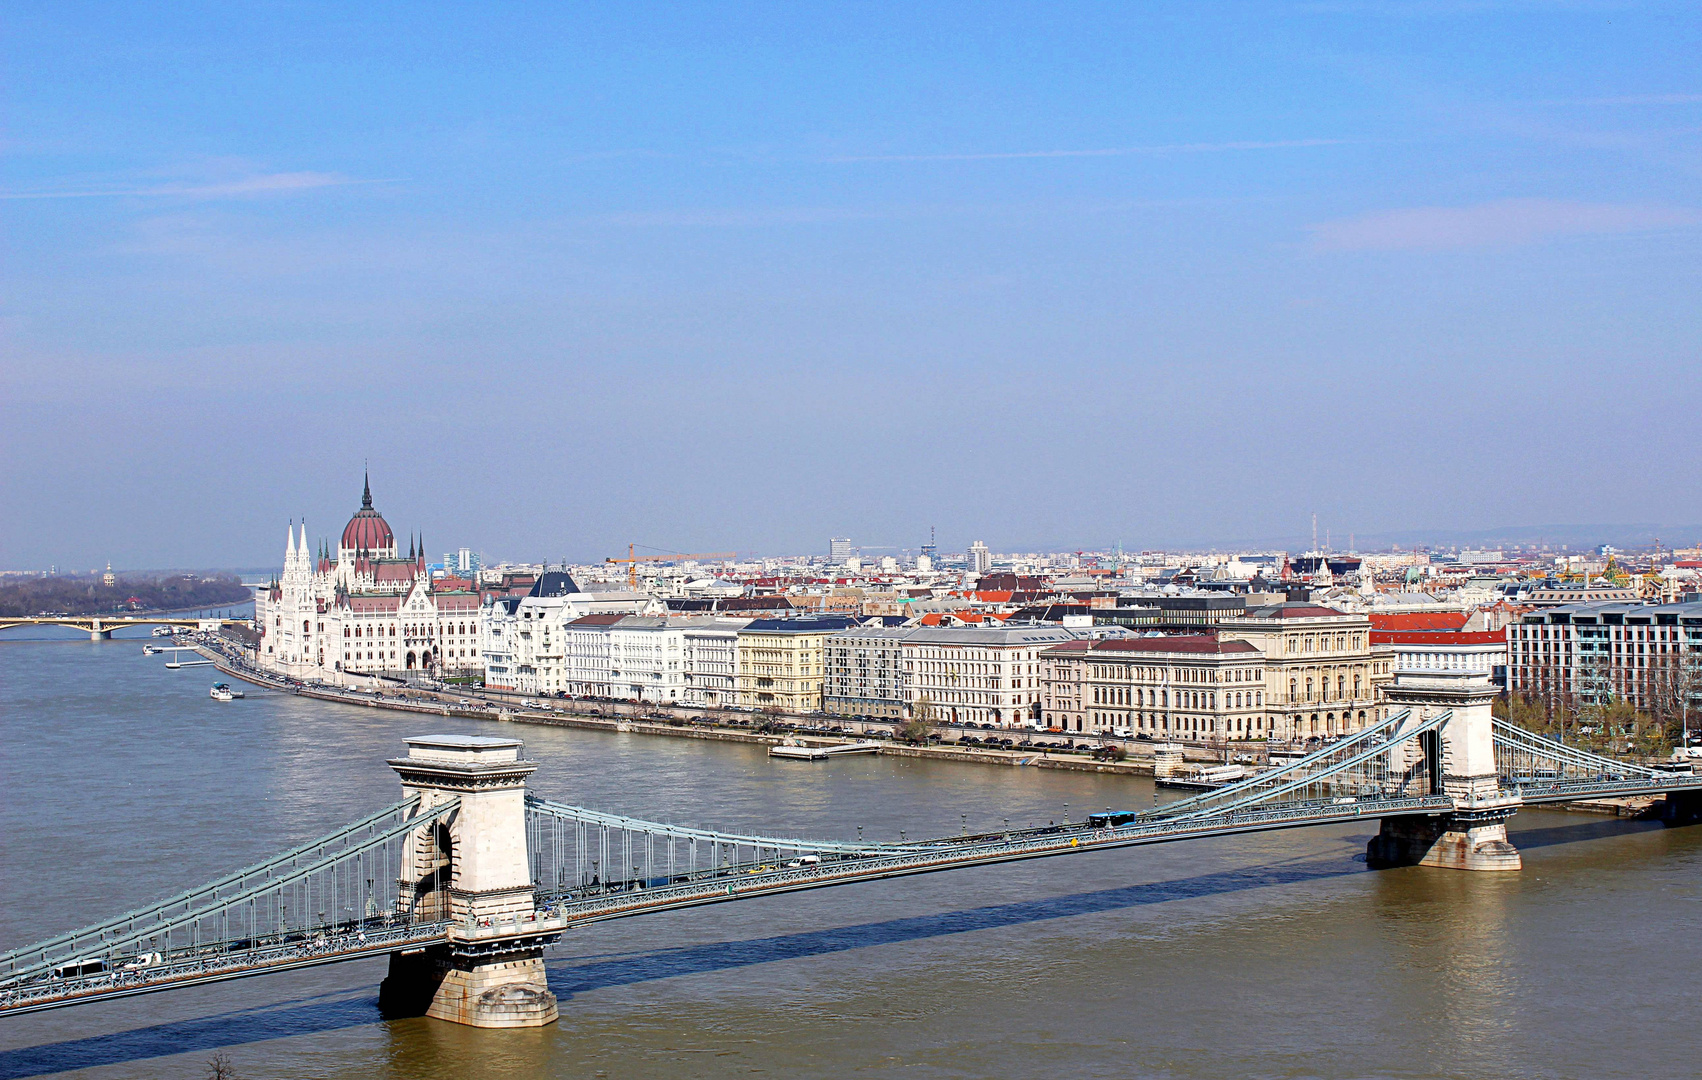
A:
(559, 911)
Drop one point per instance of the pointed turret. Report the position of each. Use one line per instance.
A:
(366, 491)
(289, 543)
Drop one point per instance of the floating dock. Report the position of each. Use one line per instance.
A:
(794, 752)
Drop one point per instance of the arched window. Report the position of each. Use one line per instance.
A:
(1293, 689)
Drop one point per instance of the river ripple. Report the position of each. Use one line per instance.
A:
(1267, 956)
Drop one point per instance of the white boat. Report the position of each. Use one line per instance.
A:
(164, 631)
(223, 692)
(151, 650)
(1203, 777)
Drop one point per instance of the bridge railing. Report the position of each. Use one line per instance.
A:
(337, 884)
(573, 848)
(224, 960)
(1525, 759)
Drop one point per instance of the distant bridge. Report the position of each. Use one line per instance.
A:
(469, 878)
(102, 626)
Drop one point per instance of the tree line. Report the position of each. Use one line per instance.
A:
(80, 595)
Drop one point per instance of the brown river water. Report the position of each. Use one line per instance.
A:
(1276, 955)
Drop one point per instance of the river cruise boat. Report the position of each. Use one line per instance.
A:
(164, 631)
(1202, 777)
(223, 692)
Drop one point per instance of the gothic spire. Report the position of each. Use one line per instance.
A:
(366, 490)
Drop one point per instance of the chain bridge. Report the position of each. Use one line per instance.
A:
(467, 879)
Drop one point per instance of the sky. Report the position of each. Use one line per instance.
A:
(744, 277)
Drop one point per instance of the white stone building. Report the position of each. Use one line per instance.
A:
(368, 612)
(712, 660)
(530, 644)
(979, 676)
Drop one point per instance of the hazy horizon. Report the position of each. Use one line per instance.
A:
(745, 277)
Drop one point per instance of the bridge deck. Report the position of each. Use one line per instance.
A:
(217, 961)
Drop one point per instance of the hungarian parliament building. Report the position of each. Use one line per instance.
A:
(365, 609)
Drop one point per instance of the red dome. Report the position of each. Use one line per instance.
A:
(367, 530)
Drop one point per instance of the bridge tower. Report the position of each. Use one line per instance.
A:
(468, 866)
(1459, 758)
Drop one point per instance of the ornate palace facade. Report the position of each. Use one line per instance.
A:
(366, 611)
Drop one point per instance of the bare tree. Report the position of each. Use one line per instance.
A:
(923, 718)
(1672, 685)
(219, 1067)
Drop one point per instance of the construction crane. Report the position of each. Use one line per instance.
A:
(632, 560)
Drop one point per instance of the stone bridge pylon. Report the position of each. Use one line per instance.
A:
(1459, 758)
(467, 865)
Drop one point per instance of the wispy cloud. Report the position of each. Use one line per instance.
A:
(1118, 151)
(251, 186)
(1505, 223)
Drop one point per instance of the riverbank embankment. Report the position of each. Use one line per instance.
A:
(435, 703)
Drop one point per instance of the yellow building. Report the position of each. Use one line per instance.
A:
(780, 662)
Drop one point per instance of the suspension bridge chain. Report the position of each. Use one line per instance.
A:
(589, 866)
(1364, 764)
(1540, 769)
(331, 898)
(575, 850)
(612, 899)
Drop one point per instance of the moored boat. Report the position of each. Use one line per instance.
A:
(223, 692)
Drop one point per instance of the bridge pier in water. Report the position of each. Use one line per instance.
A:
(470, 866)
(1459, 758)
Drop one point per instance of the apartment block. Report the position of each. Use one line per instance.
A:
(781, 662)
(1591, 654)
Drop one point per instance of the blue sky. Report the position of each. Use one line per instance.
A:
(744, 277)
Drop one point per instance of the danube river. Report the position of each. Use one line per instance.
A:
(1277, 955)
